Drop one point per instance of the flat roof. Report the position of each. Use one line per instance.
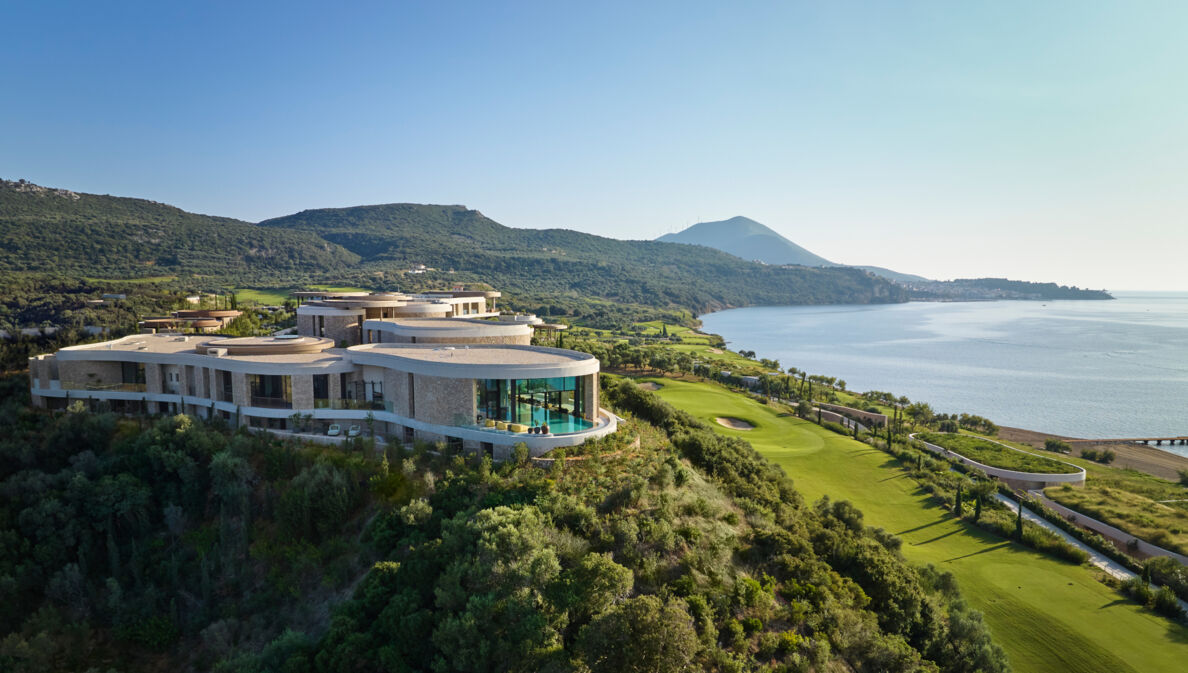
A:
(268, 345)
(151, 343)
(447, 327)
(481, 355)
(476, 361)
(174, 344)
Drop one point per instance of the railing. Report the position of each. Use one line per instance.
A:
(121, 387)
(271, 402)
(354, 404)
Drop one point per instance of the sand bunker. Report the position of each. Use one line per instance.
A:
(715, 351)
(650, 385)
(734, 423)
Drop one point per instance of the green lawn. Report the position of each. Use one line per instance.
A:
(994, 455)
(267, 297)
(338, 288)
(1047, 615)
(687, 334)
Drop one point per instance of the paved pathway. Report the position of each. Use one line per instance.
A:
(1096, 558)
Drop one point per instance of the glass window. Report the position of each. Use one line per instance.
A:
(557, 402)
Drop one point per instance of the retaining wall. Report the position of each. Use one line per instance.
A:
(1106, 529)
(1025, 480)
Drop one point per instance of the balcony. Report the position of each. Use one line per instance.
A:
(271, 402)
(116, 387)
(353, 404)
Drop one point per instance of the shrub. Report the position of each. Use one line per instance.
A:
(1104, 456)
(1057, 445)
(1166, 604)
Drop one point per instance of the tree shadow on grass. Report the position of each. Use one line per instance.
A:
(894, 476)
(981, 551)
(939, 537)
(921, 527)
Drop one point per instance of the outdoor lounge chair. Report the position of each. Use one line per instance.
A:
(334, 430)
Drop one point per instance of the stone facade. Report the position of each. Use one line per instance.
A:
(443, 401)
(90, 372)
(303, 394)
(590, 388)
(342, 329)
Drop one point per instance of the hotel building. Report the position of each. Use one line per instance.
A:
(440, 367)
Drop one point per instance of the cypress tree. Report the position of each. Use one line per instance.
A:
(957, 509)
(1019, 523)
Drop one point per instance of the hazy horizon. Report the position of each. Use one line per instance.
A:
(1032, 142)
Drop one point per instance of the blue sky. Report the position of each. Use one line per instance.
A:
(1042, 141)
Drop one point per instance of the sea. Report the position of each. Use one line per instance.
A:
(1093, 369)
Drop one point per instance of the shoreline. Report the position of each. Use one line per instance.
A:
(1139, 457)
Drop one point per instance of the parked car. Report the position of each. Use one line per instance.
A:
(354, 431)
(334, 430)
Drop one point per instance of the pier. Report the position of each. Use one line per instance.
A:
(1171, 441)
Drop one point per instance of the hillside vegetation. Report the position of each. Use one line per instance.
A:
(564, 262)
(139, 544)
(85, 235)
(48, 231)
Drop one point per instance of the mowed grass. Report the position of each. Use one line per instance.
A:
(338, 288)
(1049, 616)
(268, 297)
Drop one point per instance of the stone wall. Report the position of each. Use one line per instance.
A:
(866, 418)
(152, 378)
(239, 388)
(83, 372)
(303, 395)
(590, 384)
(444, 401)
(342, 329)
(396, 390)
(306, 325)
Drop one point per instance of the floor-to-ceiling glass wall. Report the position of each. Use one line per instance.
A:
(558, 402)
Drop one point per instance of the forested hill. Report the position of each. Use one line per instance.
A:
(989, 289)
(563, 261)
(63, 232)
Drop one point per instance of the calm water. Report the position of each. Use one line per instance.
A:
(1081, 368)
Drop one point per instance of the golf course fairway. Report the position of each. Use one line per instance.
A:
(1049, 616)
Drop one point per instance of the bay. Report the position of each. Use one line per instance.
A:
(1095, 369)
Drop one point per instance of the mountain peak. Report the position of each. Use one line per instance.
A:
(743, 237)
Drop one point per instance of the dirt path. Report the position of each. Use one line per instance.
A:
(1147, 459)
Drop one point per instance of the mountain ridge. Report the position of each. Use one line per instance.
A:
(87, 235)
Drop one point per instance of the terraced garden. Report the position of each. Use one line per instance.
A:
(1049, 616)
(994, 454)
